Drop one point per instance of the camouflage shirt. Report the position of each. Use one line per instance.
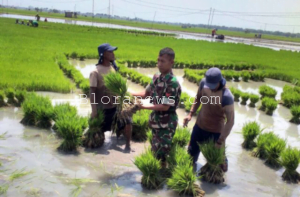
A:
(164, 90)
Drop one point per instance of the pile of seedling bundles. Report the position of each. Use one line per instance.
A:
(179, 174)
(272, 149)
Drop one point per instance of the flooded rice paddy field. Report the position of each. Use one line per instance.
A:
(271, 44)
(109, 171)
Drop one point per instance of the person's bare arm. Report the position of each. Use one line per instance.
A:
(160, 107)
(229, 113)
(93, 89)
(143, 94)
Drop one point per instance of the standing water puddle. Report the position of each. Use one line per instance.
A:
(109, 171)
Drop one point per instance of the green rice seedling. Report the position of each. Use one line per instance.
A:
(10, 95)
(237, 94)
(274, 150)
(18, 174)
(253, 100)
(140, 125)
(236, 76)
(150, 167)
(245, 98)
(264, 102)
(61, 110)
(295, 111)
(267, 91)
(20, 95)
(250, 131)
(263, 140)
(85, 87)
(182, 137)
(44, 115)
(271, 105)
(211, 171)
(149, 136)
(184, 96)
(183, 181)
(71, 131)
(228, 75)
(290, 98)
(2, 96)
(290, 159)
(178, 156)
(38, 111)
(94, 137)
(245, 76)
(3, 189)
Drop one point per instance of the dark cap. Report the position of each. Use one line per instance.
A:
(212, 78)
(105, 47)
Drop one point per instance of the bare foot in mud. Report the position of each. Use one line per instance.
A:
(128, 149)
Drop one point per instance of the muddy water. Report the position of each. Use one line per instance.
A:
(109, 171)
(272, 44)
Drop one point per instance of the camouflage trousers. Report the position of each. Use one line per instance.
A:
(162, 142)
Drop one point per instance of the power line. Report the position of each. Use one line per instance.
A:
(78, 1)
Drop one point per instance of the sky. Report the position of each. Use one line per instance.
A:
(278, 15)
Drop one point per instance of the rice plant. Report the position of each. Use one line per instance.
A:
(2, 96)
(94, 137)
(271, 106)
(182, 136)
(263, 140)
(274, 150)
(62, 109)
(150, 167)
(253, 100)
(290, 159)
(149, 136)
(3, 189)
(250, 131)
(183, 181)
(70, 129)
(267, 91)
(295, 111)
(20, 95)
(18, 174)
(38, 111)
(245, 98)
(212, 171)
(245, 76)
(178, 156)
(140, 125)
(184, 96)
(237, 94)
(10, 95)
(236, 76)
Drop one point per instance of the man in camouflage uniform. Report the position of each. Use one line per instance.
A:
(164, 92)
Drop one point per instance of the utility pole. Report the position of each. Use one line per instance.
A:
(208, 19)
(153, 20)
(212, 16)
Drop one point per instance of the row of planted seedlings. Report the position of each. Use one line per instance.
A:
(71, 72)
(139, 78)
(272, 149)
(230, 75)
(12, 97)
(151, 33)
(291, 99)
(243, 97)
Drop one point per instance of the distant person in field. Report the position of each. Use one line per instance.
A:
(37, 17)
(100, 95)
(213, 33)
(216, 117)
(46, 20)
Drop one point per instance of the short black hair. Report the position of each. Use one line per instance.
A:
(167, 51)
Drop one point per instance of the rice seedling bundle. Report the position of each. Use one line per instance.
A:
(245, 76)
(10, 95)
(268, 102)
(61, 110)
(184, 96)
(228, 75)
(290, 96)
(273, 151)
(236, 76)
(140, 125)
(70, 129)
(118, 88)
(38, 111)
(183, 181)
(149, 136)
(253, 100)
(178, 156)
(271, 105)
(295, 111)
(150, 167)
(94, 137)
(290, 159)
(245, 98)
(20, 95)
(263, 141)
(212, 171)
(182, 137)
(2, 96)
(267, 91)
(257, 76)
(250, 131)
(236, 93)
